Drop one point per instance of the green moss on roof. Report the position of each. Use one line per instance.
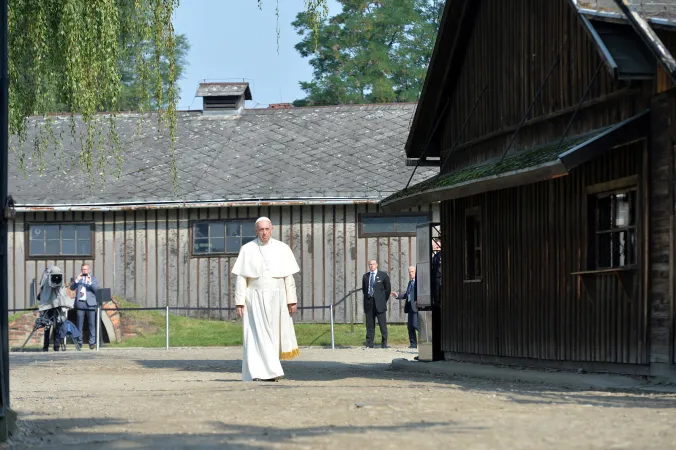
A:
(523, 160)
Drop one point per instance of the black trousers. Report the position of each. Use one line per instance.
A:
(413, 326)
(52, 314)
(371, 316)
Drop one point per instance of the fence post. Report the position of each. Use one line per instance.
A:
(166, 327)
(98, 325)
(353, 314)
(333, 335)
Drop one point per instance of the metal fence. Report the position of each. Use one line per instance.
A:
(167, 310)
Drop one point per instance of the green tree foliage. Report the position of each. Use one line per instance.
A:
(371, 52)
(68, 51)
(130, 92)
(130, 89)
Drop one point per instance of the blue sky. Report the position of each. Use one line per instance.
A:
(233, 40)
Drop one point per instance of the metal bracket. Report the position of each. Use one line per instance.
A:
(8, 210)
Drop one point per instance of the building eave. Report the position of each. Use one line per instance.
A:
(542, 172)
(105, 207)
(551, 160)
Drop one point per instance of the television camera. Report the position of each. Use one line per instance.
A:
(53, 311)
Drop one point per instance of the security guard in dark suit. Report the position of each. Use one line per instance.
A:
(376, 288)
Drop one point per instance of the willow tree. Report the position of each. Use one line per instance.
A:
(69, 49)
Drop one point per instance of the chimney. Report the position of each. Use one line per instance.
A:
(280, 106)
(223, 98)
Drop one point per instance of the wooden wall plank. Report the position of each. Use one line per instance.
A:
(307, 266)
(98, 266)
(328, 245)
(214, 276)
(20, 298)
(130, 257)
(340, 271)
(152, 260)
(296, 244)
(162, 247)
(195, 279)
(174, 282)
(352, 267)
(141, 259)
(276, 219)
(317, 253)
(361, 263)
(119, 255)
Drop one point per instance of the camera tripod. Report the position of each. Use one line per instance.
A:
(44, 321)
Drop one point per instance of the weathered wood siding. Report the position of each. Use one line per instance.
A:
(528, 304)
(662, 175)
(513, 46)
(145, 257)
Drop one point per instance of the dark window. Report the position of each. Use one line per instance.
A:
(613, 234)
(378, 225)
(220, 237)
(72, 240)
(473, 244)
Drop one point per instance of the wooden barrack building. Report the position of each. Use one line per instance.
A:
(554, 124)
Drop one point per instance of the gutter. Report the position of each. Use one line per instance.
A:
(105, 207)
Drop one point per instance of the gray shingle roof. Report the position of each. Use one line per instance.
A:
(351, 152)
(665, 9)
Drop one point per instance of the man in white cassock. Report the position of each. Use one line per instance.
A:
(265, 297)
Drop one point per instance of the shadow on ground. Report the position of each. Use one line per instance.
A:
(320, 372)
(77, 433)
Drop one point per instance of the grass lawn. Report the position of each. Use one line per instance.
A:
(189, 332)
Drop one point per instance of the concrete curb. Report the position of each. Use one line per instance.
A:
(565, 379)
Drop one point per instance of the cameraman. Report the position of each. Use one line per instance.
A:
(85, 286)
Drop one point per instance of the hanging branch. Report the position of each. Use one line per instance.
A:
(66, 52)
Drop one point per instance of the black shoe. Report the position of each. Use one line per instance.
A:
(369, 346)
(412, 346)
(45, 349)
(385, 345)
(92, 346)
(56, 349)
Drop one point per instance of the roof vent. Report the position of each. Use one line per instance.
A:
(223, 98)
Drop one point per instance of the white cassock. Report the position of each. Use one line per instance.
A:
(265, 286)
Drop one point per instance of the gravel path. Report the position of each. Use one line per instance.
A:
(334, 399)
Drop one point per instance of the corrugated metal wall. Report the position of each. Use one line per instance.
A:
(144, 256)
(529, 304)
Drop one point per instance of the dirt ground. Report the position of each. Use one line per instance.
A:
(333, 399)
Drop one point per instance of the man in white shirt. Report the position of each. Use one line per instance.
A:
(85, 286)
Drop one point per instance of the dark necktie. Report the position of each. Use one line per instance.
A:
(372, 279)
